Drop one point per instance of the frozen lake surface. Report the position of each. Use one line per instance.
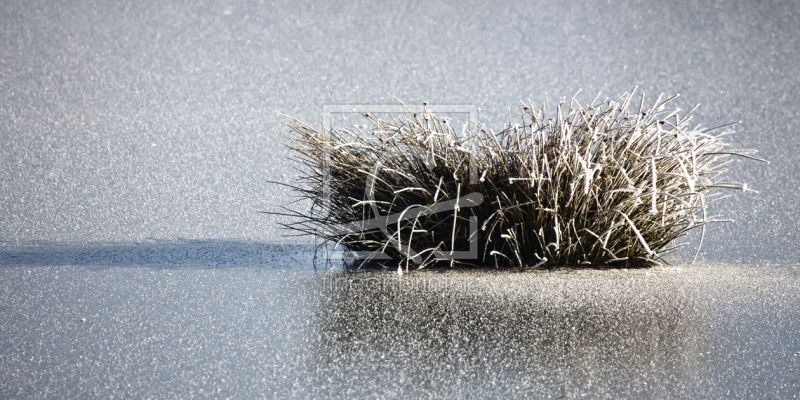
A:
(125, 126)
(243, 319)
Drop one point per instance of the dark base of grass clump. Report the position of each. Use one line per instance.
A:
(595, 186)
(442, 266)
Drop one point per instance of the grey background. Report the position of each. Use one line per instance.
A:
(136, 139)
(126, 121)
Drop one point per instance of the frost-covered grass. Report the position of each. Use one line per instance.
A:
(608, 184)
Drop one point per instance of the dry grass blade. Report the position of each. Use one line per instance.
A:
(577, 186)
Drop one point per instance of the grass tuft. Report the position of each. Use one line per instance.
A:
(599, 185)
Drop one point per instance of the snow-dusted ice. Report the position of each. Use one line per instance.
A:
(136, 145)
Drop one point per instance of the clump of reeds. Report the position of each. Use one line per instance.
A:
(570, 186)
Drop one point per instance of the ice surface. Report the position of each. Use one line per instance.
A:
(279, 329)
(137, 140)
(122, 121)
